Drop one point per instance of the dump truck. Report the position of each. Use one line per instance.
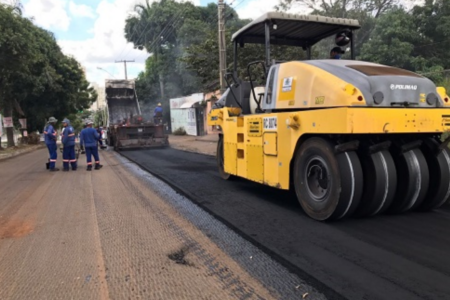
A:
(351, 138)
(127, 128)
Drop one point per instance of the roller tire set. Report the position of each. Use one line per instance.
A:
(333, 185)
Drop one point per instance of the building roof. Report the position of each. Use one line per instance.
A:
(293, 30)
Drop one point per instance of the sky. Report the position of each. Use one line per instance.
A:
(93, 30)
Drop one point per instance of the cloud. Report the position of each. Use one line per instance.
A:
(107, 45)
(50, 14)
(106, 42)
(254, 9)
(81, 10)
(195, 2)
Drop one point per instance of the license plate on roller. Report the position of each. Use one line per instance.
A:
(139, 129)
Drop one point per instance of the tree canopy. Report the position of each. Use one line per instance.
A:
(185, 58)
(183, 45)
(416, 40)
(36, 79)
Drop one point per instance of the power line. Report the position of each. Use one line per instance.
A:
(165, 30)
(175, 19)
(209, 22)
(131, 36)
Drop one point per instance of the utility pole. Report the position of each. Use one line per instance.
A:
(125, 66)
(222, 46)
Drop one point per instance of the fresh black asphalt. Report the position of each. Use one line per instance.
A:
(386, 257)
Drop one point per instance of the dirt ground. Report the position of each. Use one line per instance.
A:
(17, 150)
(200, 144)
(105, 235)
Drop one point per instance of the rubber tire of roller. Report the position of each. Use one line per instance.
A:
(439, 166)
(412, 182)
(345, 182)
(219, 158)
(380, 183)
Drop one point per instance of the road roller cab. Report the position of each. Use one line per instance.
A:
(350, 137)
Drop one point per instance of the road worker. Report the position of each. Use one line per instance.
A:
(100, 141)
(68, 141)
(89, 137)
(157, 115)
(50, 140)
(336, 53)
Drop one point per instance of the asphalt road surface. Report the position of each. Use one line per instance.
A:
(387, 257)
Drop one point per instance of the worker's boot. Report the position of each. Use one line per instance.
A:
(54, 170)
(98, 166)
(89, 168)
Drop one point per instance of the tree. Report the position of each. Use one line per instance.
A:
(15, 52)
(366, 12)
(36, 79)
(100, 116)
(203, 58)
(417, 40)
(342, 8)
(155, 29)
(393, 40)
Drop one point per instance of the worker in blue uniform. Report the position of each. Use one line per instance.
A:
(51, 136)
(157, 114)
(68, 141)
(89, 138)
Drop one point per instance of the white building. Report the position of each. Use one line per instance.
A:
(101, 100)
(186, 113)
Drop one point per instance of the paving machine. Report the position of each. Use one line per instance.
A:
(126, 127)
(350, 137)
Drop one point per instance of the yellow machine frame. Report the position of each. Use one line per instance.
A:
(351, 137)
(265, 155)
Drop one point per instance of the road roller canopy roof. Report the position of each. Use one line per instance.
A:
(292, 30)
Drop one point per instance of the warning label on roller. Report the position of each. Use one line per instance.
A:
(270, 123)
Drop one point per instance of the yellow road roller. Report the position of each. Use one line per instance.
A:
(352, 138)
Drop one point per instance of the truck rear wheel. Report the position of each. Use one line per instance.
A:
(439, 166)
(220, 160)
(328, 185)
(413, 181)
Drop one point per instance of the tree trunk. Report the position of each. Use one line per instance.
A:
(9, 130)
(10, 136)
